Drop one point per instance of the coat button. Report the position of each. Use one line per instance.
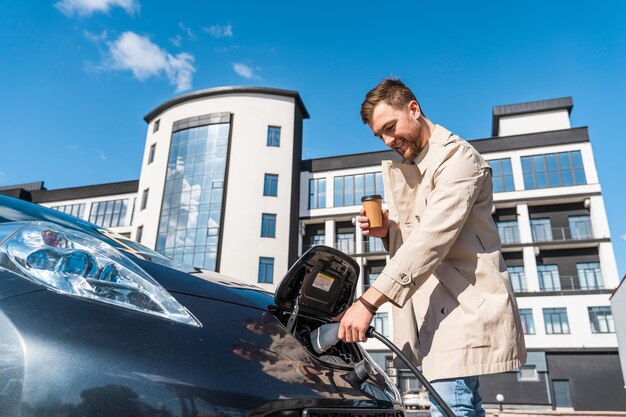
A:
(444, 310)
(404, 278)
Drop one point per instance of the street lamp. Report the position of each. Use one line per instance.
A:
(500, 399)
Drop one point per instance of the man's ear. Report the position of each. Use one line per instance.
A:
(414, 109)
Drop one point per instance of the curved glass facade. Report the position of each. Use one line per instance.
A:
(192, 202)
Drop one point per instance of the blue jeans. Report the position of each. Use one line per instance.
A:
(461, 395)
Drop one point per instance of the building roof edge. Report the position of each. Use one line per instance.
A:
(194, 95)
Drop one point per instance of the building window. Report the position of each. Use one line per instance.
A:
(589, 276)
(345, 242)
(268, 225)
(528, 324)
(580, 227)
(541, 230)
(266, 270)
(553, 170)
(316, 240)
(372, 271)
(155, 127)
(601, 319)
(372, 245)
(273, 136)
(151, 153)
(317, 193)
(191, 212)
(518, 278)
(502, 175)
(314, 234)
(109, 213)
(381, 323)
(349, 189)
(139, 233)
(76, 210)
(528, 373)
(270, 185)
(549, 279)
(556, 320)
(508, 231)
(144, 199)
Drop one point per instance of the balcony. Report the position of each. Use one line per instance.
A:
(346, 245)
(373, 245)
(544, 233)
(508, 234)
(571, 283)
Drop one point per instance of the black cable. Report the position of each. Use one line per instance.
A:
(371, 332)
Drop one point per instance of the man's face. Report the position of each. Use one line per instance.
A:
(400, 129)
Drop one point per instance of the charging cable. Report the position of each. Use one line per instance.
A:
(371, 332)
(327, 336)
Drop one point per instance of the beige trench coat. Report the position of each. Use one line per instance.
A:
(454, 308)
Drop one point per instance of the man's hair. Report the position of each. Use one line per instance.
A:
(389, 91)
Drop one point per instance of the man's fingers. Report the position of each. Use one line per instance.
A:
(362, 337)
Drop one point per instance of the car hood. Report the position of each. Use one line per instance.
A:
(177, 278)
(173, 276)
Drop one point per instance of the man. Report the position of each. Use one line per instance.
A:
(454, 310)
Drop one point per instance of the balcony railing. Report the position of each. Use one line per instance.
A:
(374, 245)
(508, 234)
(349, 246)
(572, 283)
(346, 245)
(543, 233)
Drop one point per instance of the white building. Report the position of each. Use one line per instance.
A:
(223, 186)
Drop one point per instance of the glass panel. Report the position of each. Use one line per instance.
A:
(549, 279)
(518, 278)
(321, 189)
(359, 188)
(508, 231)
(528, 324)
(338, 197)
(312, 193)
(556, 320)
(348, 194)
(379, 184)
(541, 230)
(590, 276)
(369, 184)
(192, 186)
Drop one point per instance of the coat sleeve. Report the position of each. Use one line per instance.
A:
(457, 183)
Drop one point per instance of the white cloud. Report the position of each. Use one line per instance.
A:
(89, 7)
(177, 41)
(187, 30)
(219, 31)
(244, 70)
(96, 37)
(145, 59)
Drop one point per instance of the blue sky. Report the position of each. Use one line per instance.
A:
(77, 76)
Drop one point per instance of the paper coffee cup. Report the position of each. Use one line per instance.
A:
(373, 206)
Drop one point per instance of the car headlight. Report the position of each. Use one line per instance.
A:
(75, 263)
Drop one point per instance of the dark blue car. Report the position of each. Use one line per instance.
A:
(93, 324)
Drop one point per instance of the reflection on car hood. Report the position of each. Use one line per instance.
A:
(173, 276)
(203, 283)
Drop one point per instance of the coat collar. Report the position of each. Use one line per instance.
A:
(429, 154)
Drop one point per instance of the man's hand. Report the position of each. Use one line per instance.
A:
(354, 323)
(364, 223)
